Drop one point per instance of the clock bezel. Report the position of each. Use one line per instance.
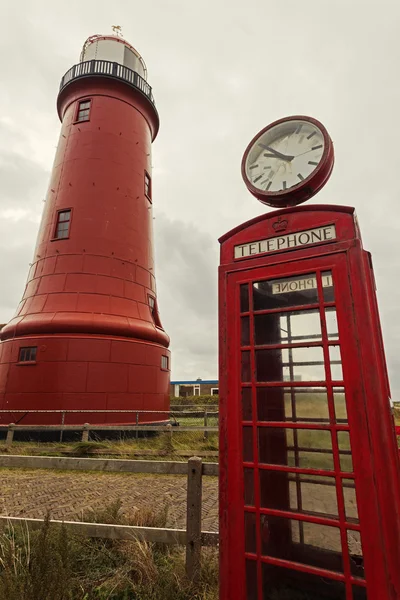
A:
(305, 189)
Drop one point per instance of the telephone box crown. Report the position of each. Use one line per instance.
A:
(280, 225)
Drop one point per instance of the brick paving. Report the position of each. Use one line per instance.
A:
(68, 494)
(31, 493)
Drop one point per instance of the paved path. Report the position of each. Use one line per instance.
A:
(31, 493)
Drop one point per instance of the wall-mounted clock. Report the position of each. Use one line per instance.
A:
(288, 162)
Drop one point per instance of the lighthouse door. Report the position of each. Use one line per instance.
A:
(289, 493)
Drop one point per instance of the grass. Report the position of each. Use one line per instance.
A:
(159, 446)
(212, 421)
(51, 564)
(143, 517)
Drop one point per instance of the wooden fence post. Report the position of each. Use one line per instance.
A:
(62, 425)
(85, 433)
(205, 423)
(10, 434)
(193, 518)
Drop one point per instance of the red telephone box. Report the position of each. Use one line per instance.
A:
(309, 467)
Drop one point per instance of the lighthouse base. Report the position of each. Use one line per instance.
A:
(74, 373)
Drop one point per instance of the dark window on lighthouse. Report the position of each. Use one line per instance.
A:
(27, 354)
(154, 311)
(62, 227)
(83, 111)
(147, 185)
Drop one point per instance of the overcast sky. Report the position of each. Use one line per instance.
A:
(220, 72)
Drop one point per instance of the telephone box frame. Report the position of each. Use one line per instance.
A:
(373, 441)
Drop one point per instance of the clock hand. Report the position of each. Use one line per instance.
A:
(276, 153)
(301, 153)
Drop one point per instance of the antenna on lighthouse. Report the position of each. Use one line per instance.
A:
(117, 29)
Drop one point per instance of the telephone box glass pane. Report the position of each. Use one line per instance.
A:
(292, 364)
(359, 593)
(247, 444)
(250, 532)
(288, 327)
(247, 413)
(271, 404)
(331, 323)
(336, 363)
(312, 450)
(346, 461)
(313, 494)
(339, 399)
(297, 492)
(245, 331)
(246, 370)
(298, 290)
(327, 286)
(355, 553)
(244, 298)
(350, 500)
(280, 583)
(248, 482)
(274, 489)
(280, 538)
(251, 580)
(292, 404)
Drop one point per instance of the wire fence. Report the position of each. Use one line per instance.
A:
(182, 431)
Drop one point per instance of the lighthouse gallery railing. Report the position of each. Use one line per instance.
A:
(108, 69)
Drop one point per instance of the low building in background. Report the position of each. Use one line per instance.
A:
(199, 387)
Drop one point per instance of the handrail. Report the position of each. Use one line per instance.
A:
(107, 68)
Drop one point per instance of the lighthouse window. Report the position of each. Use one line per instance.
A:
(27, 354)
(164, 362)
(83, 111)
(147, 185)
(154, 311)
(63, 221)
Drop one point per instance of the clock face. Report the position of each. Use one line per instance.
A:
(284, 158)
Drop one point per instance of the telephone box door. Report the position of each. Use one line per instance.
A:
(291, 487)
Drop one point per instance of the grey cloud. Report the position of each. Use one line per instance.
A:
(16, 248)
(22, 182)
(185, 259)
(220, 72)
(22, 186)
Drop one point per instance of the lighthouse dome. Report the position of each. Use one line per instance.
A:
(114, 49)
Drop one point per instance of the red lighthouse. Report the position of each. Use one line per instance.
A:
(87, 333)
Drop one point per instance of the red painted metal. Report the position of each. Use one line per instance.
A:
(86, 302)
(258, 521)
(309, 186)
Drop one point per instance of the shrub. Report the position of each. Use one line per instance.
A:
(35, 565)
(51, 564)
(142, 517)
(195, 401)
(85, 448)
